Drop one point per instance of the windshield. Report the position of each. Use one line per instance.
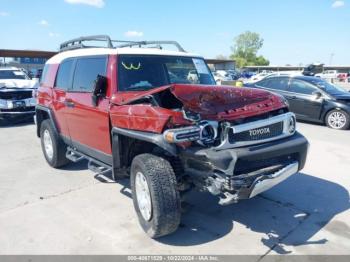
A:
(12, 74)
(137, 72)
(328, 87)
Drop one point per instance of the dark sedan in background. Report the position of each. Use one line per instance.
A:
(311, 99)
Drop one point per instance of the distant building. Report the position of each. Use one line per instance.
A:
(340, 68)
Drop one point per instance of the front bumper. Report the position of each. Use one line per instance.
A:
(242, 173)
(14, 113)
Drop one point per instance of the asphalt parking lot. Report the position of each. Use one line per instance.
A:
(72, 211)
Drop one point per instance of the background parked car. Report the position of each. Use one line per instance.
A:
(221, 75)
(16, 94)
(331, 74)
(247, 74)
(235, 75)
(312, 99)
(260, 76)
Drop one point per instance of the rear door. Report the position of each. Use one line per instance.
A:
(89, 125)
(302, 101)
(63, 83)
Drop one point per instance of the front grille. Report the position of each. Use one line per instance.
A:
(15, 95)
(256, 134)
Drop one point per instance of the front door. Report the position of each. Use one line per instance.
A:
(302, 100)
(89, 125)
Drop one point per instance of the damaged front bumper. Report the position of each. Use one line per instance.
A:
(243, 173)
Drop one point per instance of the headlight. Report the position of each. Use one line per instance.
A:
(180, 135)
(35, 93)
(209, 131)
(205, 133)
(3, 104)
(32, 101)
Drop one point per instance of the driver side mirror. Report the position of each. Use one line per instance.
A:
(317, 94)
(99, 89)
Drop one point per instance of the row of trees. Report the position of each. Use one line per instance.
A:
(245, 49)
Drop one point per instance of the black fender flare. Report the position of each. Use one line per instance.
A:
(156, 139)
(39, 119)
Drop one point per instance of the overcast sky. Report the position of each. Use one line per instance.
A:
(295, 31)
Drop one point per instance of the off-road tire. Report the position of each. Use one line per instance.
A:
(165, 198)
(347, 117)
(59, 147)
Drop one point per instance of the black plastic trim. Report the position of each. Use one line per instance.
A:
(94, 153)
(153, 138)
(51, 117)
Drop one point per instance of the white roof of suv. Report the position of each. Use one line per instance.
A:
(115, 51)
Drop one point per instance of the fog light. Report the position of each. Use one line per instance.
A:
(291, 125)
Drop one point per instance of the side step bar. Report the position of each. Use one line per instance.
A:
(94, 165)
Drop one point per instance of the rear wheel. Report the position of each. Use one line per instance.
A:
(52, 145)
(155, 195)
(338, 119)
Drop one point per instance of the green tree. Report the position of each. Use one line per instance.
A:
(245, 49)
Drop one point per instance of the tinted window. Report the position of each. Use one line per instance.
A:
(279, 83)
(44, 74)
(302, 87)
(86, 72)
(64, 74)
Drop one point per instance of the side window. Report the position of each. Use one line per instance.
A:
(301, 87)
(64, 75)
(44, 75)
(86, 71)
(262, 83)
(280, 83)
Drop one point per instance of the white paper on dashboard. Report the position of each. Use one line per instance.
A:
(200, 65)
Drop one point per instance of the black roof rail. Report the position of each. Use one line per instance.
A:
(78, 43)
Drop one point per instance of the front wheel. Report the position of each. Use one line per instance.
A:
(155, 195)
(338, 119)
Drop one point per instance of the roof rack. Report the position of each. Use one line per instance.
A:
(78, 43)
(157, 43)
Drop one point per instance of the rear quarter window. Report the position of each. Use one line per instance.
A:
(64, 74)
(86, 71)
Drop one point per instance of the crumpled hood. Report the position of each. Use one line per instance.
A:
(216, 99)
(217, 102)
(18, 83)
(214, 102)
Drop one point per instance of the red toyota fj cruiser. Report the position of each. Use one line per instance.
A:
(157, 116)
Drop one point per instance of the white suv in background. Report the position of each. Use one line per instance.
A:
(328, 74)
(221, 75)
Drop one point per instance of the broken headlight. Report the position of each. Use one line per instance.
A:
(209, 132)
(204, 133)
(3, 104)
(180, 135)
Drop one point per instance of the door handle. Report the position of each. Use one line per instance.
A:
(69, 103)
(291, 97)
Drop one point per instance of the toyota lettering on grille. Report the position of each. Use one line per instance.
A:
(260, 131)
